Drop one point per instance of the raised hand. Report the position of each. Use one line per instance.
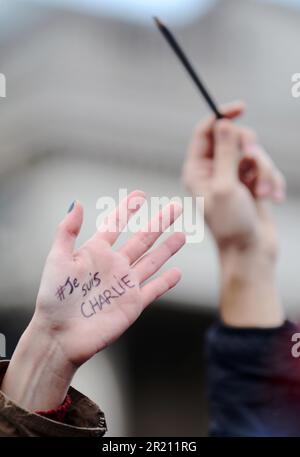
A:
(227, 165)
(88, 297)
(96, 293)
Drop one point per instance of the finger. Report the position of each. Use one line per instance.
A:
(279, 189)
(269, 183)
(248, 173)
(248, 138)
(118, 219)
(229, 111)
(142, 241)
(159, 286)
(248, 170)
(233, 109)
(69, 229)
(227, 151)
(204, 129)
(154, 260)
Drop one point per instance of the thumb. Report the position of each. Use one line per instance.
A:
(226, 150)
(69, 229)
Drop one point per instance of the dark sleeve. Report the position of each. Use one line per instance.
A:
(84, 418)
(254, 381)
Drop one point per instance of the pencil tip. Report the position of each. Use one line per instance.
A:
(157, 21)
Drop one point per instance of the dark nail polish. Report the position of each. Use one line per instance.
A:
(71, 207)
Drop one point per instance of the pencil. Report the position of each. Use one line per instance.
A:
(188, 66)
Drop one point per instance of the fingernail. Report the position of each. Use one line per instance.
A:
(71, 207)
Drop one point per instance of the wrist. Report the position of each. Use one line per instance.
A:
(249, 295)
(39, 375)
(247, 260)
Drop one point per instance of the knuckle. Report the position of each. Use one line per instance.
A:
(224, 127)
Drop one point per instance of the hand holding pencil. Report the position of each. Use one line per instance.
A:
(227, 165)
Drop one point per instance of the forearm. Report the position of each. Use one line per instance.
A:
(249, 295)
(38, 376)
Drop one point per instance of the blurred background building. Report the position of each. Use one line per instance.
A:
(95, 102)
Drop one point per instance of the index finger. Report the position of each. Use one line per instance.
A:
(204, 130)
(118, 219)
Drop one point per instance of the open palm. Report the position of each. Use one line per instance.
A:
(90, 296)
